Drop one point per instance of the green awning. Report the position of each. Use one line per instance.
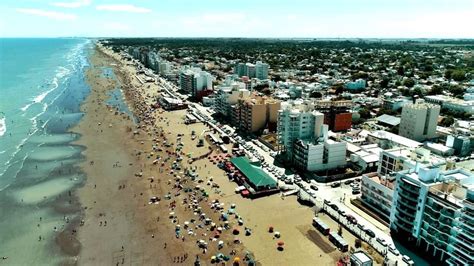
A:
(254, 173)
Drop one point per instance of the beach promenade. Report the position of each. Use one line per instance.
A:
(138, 210)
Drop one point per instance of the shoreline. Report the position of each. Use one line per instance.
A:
(123, 176)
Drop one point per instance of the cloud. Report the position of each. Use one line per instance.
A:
(77, 4)
(123, 8)
(46, 13)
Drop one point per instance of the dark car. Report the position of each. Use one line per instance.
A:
(348, 182)
(337, 184)
(370, 233)
(351, 219)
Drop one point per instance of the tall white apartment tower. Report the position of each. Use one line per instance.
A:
(419, 121)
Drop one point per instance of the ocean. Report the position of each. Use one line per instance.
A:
(42, 85)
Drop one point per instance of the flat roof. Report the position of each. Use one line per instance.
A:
(389, 119)
(396, 138)
(362, 257)
(254, 173)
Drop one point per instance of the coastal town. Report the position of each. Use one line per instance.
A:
(301, 152)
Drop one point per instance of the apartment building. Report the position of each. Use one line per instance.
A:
(337, 114)
(297, 120)
(377, 193)
(195, 81)
(452, 103)
(258, 70)
(434, 209)
(303, 135)
(227, 95)
(419, 121)
(255, 113)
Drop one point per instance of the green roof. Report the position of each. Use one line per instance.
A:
(254, 173)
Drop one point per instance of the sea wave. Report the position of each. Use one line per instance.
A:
(3, 126)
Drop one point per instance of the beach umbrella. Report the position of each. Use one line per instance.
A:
(236, 261)
(235, 231)
(280, 243)
(277, 234)
(270, 229)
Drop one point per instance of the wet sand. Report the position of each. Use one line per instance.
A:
(121, 227)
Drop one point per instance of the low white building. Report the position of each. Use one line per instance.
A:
(451, 103)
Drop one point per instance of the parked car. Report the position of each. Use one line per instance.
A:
(348, 182)
(407, 259)
(370, 233)
(314, 187)
(394, 250)
(351, 219)
(336, 184)
(381, 241)
(355, 191)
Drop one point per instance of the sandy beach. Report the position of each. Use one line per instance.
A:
(127, 164)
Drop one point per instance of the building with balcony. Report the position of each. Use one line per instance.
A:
(337, 114)
(255, 113)
(319, 155)
(451, 103)
(377, 193)
(258, 70)
(227, 95)
(194, 81)
(434, 209)
(298, 121)
(419, 121)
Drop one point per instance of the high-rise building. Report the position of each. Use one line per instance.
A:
(255, 113)
(304, 141)
(336, 114)
(228, 95)
(434, 209)
(419, 121)
(258, 70)
(261, 70)
(194, 81)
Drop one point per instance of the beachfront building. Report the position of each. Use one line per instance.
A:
(251, 175)
(358, 84)
(304, 139)
(194, 81)
(227, 95)
(319, 155)
(434, 209)
(451, 103)
(461, 144)
(297, 121)
(377, 193)
(255, 113)
(419, 121)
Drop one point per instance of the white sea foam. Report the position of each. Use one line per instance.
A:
(2, 152)
(3, 126)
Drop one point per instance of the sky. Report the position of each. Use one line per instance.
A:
(238, 18)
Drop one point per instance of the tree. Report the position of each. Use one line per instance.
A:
(447, 121)
(384, 83)
(364, 113)
(409, 82)
(458, 75)
(435, 90)
(448, 73)
(316, 94)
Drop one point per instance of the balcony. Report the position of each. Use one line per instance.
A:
(409, 186)
(408, 199)
(406, 211)
(404, 218)
(404, 226)
(407, 204)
